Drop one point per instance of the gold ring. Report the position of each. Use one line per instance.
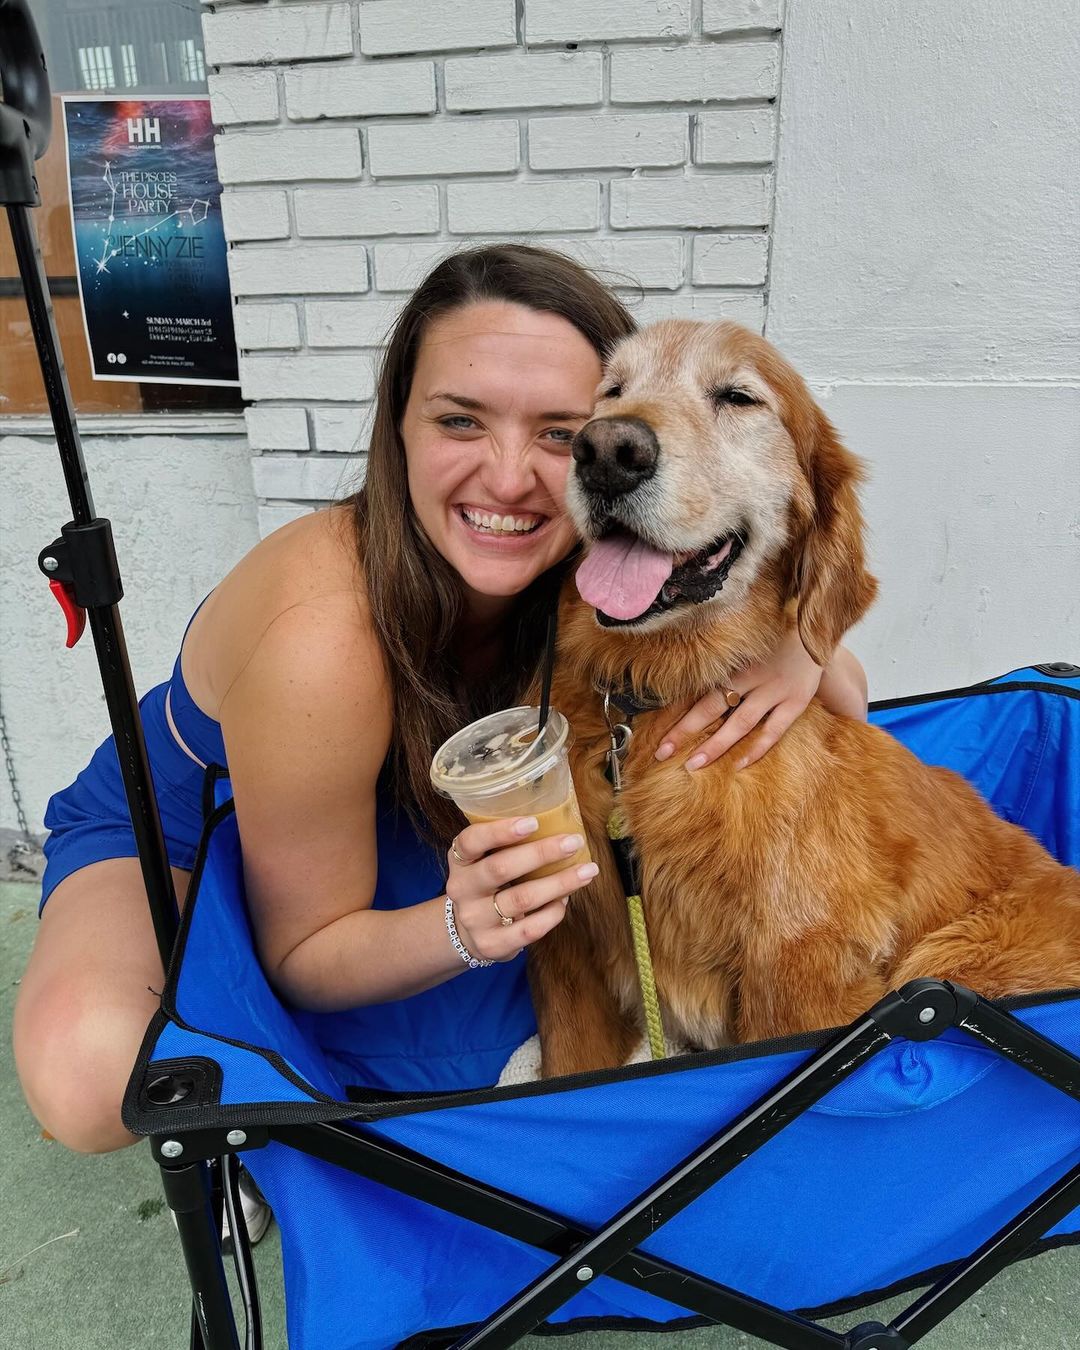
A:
(462, 862)
(731, 697)
(504, 919)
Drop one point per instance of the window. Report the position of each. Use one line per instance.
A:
(107, 46)
(95, 68)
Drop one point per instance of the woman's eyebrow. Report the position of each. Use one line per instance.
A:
(474, 405)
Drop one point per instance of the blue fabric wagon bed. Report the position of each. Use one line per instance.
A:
(932, 1141)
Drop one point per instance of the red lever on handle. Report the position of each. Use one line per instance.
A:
(75, 614)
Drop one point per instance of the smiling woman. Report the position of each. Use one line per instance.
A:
(323, 670)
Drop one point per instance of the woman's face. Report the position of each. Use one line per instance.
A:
(498, 392)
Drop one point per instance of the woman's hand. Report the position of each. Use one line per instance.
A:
(772, 695)
(487, 863)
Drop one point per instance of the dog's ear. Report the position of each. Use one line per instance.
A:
(832, 587)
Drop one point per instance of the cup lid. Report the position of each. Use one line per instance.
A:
(497, 751)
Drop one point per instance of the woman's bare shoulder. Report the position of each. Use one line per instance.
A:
(300, 591)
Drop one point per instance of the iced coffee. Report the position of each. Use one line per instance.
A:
(506, 766)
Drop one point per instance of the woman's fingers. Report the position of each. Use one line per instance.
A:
(505, 866)
(770, 732)
(706, 711)
(526, 897)
(535, 907)
(474, 841)
(741, 722)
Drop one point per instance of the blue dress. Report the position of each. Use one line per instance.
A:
(463, 1030)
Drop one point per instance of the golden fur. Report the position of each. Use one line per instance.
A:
(793, 894)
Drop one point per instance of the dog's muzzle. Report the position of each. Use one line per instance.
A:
(615, 455)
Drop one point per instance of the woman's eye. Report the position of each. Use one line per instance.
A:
(457, 422)
(614, 392)
(737, 398)
(560, 435)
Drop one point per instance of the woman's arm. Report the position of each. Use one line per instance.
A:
(774, 693)
(307, 726)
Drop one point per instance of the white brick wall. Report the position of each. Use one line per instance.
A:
(360, 144)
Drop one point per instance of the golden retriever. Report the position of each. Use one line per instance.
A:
(720, 509)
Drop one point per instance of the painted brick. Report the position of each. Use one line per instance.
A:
(456, 146)
(724, 199)
(304, 477)
(730, 259)
(243, 94)
(629, 261)
(694, 74)
(524, 80)
(736, 136)
(732, 16)
(349, 323)
(272, 518)
(364, 210)
(255, 214)
(607, 140)
(275, 428)
(311, 269)
(745, 309)
(360, 89)
(343, 430)
(400, 266)
(388, 26)
(262, 326)
(285, 33)
(269, 156)
(335, 377)
(475, 208)
(605, 20)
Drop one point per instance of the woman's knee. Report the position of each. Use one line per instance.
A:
(85, 1002)
(74, 1060)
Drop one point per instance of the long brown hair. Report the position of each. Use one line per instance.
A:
(415, 595)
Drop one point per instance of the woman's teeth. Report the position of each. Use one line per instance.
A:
(484, 520)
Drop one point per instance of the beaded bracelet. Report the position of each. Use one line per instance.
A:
(473, 962)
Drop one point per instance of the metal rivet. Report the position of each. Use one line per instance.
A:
(927, 1015)
(236, 1138)
(49, 564)
(171, 1148)
(584, 1273)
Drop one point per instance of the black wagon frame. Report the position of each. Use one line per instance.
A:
(198, 1155)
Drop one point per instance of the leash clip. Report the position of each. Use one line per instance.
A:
(621, 735)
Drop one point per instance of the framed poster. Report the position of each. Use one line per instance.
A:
(149, 243)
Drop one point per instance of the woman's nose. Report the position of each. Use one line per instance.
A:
(509, 477)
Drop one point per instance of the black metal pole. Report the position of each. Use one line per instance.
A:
(104, 617)
(187, 1190)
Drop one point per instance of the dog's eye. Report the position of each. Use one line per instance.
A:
(614, 392)
(737, 398)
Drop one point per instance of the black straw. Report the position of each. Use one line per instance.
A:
(549, 666)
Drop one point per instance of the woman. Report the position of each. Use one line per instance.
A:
(327, 666)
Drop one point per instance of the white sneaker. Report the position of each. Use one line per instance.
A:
(257, 1213)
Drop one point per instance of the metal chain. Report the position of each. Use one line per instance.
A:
(24, 847)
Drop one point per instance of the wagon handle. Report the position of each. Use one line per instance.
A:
(26, 113)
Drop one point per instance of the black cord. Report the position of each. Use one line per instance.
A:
(549, 664)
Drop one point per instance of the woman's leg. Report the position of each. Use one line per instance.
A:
(85, 1001)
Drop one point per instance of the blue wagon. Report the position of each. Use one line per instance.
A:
(932, 1141)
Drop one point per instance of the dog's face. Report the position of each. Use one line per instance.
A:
(707, 462)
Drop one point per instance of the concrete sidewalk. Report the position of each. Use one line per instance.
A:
(89, 1259)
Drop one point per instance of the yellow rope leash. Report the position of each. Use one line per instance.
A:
(616, 828)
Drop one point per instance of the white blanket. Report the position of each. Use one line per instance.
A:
(523, 1066)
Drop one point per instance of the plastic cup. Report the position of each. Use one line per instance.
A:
(502, 767)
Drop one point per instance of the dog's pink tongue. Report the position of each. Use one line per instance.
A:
(622, 576)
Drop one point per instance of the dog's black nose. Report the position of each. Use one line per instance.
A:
(615, 454)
